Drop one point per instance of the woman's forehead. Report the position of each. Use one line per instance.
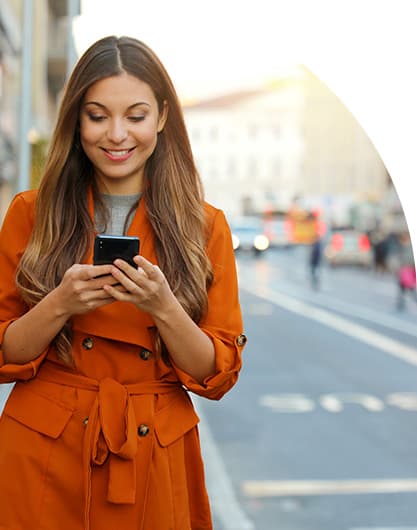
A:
(120, 89)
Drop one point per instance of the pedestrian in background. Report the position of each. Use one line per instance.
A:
(316, 248)
(380, 243)
(406, 273)
(315, 262)
(99, 431)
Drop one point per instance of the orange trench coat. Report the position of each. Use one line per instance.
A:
(113, 442)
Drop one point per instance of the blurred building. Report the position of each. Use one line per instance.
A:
(10, 44)
(248, 147)
(51, 45)
(391, 219)
(339, 157)
(257, 150)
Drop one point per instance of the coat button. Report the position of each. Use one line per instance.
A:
(145, 355)
(85, 421)
(143, 430)
(241, 340)
(88, 343)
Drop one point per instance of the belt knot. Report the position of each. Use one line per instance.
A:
(112, 429)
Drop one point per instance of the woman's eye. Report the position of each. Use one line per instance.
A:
(96, 117)
(136, 118)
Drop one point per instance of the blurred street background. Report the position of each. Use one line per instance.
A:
(320, 431)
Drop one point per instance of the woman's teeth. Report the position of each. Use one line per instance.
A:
(118, 153)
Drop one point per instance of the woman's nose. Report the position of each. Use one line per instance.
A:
(117, 131)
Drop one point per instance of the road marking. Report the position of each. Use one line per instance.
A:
(357, 311)
(287, 403)
(375, 317)
(373, 338)
(403, 400)
(221, 493)
(348, 308)
(335, 402)
(300, 403)
(280, 488)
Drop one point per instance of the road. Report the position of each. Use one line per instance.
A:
(320, 433)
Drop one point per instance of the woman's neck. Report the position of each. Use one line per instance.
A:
(122, 186)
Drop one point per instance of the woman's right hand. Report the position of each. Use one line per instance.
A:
(81, 289)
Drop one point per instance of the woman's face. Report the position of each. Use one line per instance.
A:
(119, 123)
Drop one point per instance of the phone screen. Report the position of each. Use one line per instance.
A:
(107, 248)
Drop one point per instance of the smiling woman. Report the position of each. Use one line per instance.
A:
(103, 433)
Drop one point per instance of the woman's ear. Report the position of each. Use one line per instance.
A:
(163, 116)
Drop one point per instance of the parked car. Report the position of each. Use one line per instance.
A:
(349, 247)
(248, 234)
(278, 233)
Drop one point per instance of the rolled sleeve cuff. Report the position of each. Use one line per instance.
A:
(228, 364)
(11, 372)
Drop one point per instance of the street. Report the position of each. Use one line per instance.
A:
(320, 431)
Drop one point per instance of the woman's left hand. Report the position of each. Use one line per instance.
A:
(146, 286)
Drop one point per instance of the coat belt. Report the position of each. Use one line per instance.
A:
(111, 430)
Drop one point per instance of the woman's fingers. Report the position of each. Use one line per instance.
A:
(146, 270)
(119, 293)
(128, 277)
(152, 271)
(96, 271)
(87, 272)
(143, 282)
(100, 282)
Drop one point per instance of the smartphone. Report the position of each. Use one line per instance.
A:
(107, 248)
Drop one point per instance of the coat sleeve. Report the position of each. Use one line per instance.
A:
(14, 236)
(223, 321)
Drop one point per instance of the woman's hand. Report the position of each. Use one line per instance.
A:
(81, 289)
(146, 286)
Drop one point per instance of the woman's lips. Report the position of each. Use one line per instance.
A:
(118, 155)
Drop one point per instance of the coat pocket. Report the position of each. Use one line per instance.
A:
(30, 430)
(175, 419)
(37, 411)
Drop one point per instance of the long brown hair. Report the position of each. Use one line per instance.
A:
(172, 189)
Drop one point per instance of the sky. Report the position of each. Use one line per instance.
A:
(364, 50)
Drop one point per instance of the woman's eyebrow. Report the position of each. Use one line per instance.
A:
(139, 103)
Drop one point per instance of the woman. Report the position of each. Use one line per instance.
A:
(99, 432)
